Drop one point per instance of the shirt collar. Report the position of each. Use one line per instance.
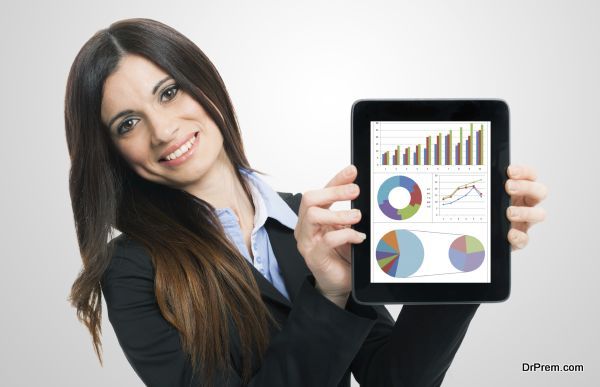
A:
(268, 203)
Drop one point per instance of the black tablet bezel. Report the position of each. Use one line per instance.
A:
(363, 112)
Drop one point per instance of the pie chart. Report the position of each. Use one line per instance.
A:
(383, 197)
(466, 253)
(399, 253)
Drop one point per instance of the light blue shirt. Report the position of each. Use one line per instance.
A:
(267, 203)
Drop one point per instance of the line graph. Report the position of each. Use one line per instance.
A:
(457, 200)
(470, 185)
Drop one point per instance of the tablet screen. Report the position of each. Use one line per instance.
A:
(430, 206)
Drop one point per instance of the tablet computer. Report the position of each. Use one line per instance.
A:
(431, 175)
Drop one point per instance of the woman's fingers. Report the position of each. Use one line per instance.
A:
(324, 197)
(518, 239)
(316, 217)
(344, 176)
(531, 192)
(333, 228)
(522, 186)
(525, 193)
(337, 238)
(334, 240)
(529, 215)
(521, 172)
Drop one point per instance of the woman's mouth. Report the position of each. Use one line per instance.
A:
(183, 153)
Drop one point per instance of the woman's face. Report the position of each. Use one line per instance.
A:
(165, 135)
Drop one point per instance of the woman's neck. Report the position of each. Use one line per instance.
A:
(220, 187)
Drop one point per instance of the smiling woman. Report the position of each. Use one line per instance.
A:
(149, 124)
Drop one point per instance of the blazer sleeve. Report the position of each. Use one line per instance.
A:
(315, 346)
(415, 350)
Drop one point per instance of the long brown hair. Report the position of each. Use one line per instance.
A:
(201, 279)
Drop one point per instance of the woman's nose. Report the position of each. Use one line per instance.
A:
(162, 129)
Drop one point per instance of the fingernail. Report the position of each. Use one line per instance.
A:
(512, 186)
(513, 213)
(355, 213)
(353, 188)
(363, 235)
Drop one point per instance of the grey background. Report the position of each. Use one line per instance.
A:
(293, 71)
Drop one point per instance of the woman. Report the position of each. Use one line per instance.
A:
(217, 279)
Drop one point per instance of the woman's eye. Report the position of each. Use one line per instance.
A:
(170, 92)
(126, 124)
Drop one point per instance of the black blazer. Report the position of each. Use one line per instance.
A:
(319, 343)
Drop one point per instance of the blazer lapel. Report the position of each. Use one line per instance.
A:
(291, 262)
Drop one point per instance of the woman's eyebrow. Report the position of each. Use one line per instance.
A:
(159, 83)
(125, 112)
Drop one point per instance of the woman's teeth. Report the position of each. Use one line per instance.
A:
(184, 148)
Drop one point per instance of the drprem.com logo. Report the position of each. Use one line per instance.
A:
(537, 367)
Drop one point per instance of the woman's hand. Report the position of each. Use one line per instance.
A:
(525, 194)
(323, 236)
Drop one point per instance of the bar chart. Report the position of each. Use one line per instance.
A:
(430, 143)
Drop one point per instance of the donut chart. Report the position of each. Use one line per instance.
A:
(466, 253)
(399, 213)
(400, 253)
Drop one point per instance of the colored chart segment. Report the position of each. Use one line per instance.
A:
(383, 197)
(400, 253)
(466, 253)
